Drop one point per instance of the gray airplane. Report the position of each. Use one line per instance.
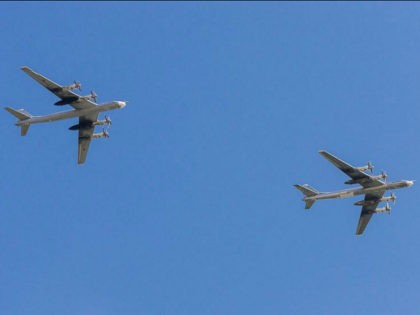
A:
(85, 108)
(373, 187)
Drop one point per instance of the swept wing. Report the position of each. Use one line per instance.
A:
(358, 176)
(85, 135)
(77, 102)
(372, 198)
(65, 94)
(368, 210)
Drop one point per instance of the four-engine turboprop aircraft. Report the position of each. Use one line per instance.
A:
(85, 107)
(373, 187)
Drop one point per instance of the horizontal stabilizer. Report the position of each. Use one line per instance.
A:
(20, 114)
(307, 190)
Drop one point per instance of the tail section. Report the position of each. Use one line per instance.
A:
(308, 191)
(22, 115)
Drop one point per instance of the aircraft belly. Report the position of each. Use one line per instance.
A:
(61, 115)
(346, 194)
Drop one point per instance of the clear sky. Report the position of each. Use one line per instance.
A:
(188, 207)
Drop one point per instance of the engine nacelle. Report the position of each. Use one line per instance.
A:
(374, 201)
(106, 121)
(386, 209)
(92, 96)
(103, 134)
(382, 210)
(390, 198)
(75, 85)
(366, 179)
(369, 167)
(382, 176)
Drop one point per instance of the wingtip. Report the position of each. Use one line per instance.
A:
(26, 69)
(325, 153)
(359, 231)
(81, 161)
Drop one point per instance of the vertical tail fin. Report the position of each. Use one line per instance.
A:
(308, 191)
(22, 115)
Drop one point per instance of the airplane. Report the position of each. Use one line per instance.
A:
(373, 187)
(85, 108)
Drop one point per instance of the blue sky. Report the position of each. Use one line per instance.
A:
(189, 208)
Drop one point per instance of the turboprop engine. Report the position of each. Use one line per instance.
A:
(386, 209)
(392, 198)
(382, 176)
(367, 179)
(92, 96)
(372, 202)
(106, 121)
(75, 85)
(369, 167)
(103, 134)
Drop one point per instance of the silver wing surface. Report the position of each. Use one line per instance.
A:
(352, 172)
(85, 135)
(368, 211)
(65, 94)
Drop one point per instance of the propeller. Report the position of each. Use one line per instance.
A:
(388, 208)
(77, 85)
(93, 96)
(108, 120)
(370, 167)
(105, 133)
(384, 176)
(393, 198)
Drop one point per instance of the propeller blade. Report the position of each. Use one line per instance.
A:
(393, 198)
(93, 96)
(370, 167)
(384, 176)
(77, 85)
(105, 133)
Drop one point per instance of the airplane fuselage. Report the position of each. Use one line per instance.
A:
(71, 113)
(346, 193)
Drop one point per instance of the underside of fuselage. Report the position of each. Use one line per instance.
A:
(61, 115)
(346, 193)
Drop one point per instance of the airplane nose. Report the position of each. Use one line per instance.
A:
(121, 104)
(410, 183)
